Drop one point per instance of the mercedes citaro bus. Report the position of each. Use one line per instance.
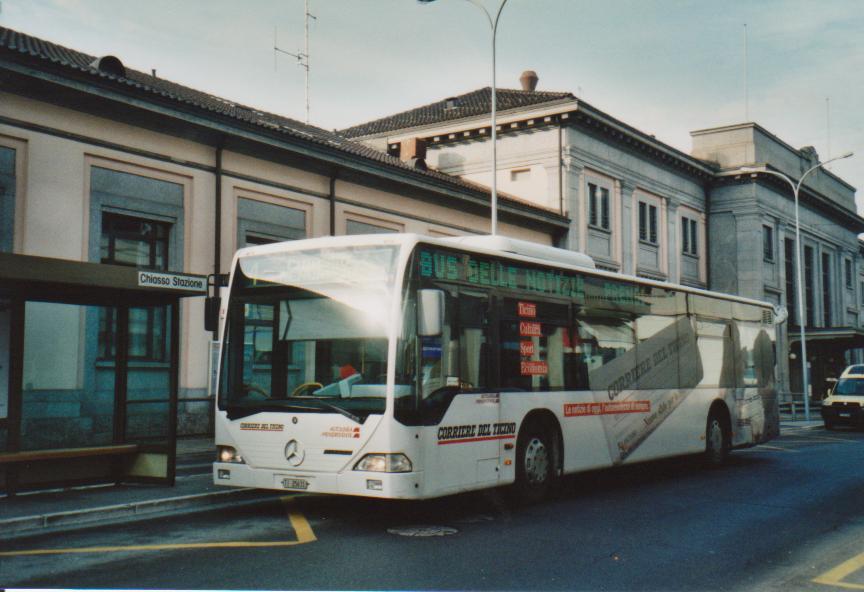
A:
(404, 366)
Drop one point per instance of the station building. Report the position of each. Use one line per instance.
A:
(123, 197)
(639, 206)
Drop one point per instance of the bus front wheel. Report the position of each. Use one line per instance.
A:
(535, 465)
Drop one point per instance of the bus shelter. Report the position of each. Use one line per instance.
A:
(88, 372)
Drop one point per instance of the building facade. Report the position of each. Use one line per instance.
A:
(752, 220)
(107, 172)
(641, 207)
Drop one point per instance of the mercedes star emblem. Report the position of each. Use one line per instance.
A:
(294, 453)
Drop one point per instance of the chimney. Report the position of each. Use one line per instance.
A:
(413, 151)
(529, 80)
(413, 148)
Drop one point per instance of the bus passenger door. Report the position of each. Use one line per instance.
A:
(458, 405)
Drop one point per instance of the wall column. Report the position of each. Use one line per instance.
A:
(673, 251)
(573, 177)
(626, 188)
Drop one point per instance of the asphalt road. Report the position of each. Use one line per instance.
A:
(787, 516)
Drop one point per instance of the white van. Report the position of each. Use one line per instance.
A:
(843, 403)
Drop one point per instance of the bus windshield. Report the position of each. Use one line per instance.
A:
(307, 332)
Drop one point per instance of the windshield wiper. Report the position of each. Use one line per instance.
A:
(236, 411)
(338, 409)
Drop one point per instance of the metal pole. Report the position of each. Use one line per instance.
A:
(495, 126)
(494, 204)
(799, 254)
(306, 52)
(746, 80)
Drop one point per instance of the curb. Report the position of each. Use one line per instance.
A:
(50, 523)
(801, 425)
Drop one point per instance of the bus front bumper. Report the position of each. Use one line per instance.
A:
(370, 484)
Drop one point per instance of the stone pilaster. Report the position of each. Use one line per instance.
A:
(573, 178)
(673, 250)
(625, 189)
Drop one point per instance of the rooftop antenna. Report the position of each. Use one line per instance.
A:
(301, 56)
(828, 127)
(746, 80)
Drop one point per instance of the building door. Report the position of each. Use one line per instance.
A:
(5, 318)
(147, 397)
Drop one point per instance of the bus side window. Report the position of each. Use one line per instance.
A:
(534, 341)
(577, 362)
(608, 348)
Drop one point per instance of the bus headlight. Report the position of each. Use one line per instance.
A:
(227, 454)
(384, 463)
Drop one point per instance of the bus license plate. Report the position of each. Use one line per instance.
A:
(301, 484)
(845, 415)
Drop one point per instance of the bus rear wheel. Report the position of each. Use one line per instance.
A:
(536, 474)
(716, 440)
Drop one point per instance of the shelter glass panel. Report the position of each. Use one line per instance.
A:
(148, 383)
(68, 392)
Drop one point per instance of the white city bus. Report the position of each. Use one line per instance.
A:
(404, 366)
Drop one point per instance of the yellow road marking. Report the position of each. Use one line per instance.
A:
(302, 528)
(298, 522)
(835, 577)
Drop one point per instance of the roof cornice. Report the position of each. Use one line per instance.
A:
(773, 137)
(444, 128)
(568, 112)
(806, 195)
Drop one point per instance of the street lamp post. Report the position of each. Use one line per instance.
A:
(802, 321)
(493, 24)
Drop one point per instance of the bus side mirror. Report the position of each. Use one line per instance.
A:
(211, 313)
(430, 313)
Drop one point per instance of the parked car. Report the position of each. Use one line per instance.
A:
(843, 405)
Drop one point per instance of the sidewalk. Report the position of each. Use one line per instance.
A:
(59, 509)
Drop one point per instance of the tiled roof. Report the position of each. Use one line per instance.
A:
(478, 102)
(22, 45)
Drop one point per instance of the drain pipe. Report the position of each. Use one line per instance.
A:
(217, 230)
(332, 198)
(708, 187)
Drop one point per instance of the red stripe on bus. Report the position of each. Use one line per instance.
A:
(464, 440)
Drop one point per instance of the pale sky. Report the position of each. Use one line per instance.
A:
(666, 67)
